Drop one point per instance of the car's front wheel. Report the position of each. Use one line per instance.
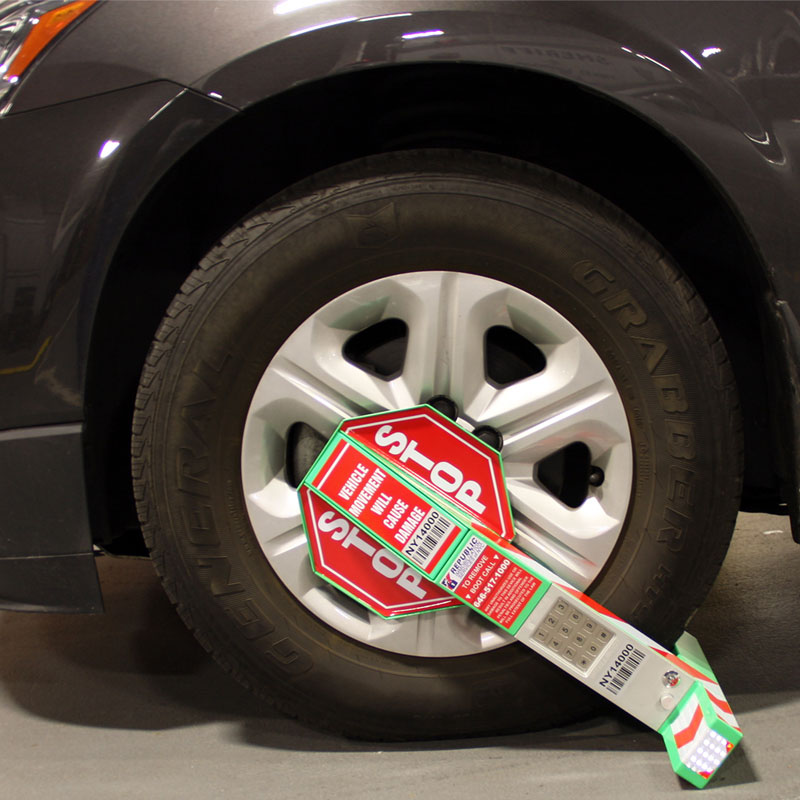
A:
(538, 310)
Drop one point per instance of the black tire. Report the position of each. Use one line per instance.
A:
(392, 214)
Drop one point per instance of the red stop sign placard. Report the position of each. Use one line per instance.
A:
(444, 457)
(357, 563)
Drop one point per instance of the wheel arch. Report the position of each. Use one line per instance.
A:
(526, 115)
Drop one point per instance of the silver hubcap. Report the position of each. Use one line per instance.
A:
(570, 399)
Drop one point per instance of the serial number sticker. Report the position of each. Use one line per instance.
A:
(621, 671)
(429, 537)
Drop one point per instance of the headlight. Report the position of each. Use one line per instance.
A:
(26, 28)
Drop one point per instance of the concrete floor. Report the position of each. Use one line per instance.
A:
(127, 705)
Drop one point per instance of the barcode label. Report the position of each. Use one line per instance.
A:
(428, 538)
(622, 670)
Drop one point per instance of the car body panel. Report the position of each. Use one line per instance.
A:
(46, 559)
(63, 210)
(728, 108)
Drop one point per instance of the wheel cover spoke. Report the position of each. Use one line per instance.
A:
(447, 314)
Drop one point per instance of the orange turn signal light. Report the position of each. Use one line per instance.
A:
(45, 30)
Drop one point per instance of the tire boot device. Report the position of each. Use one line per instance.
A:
(427, 500)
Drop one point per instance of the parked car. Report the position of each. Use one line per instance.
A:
(225, 227)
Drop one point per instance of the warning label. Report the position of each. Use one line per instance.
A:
(490, 582)
(386, 507)
(356, 562)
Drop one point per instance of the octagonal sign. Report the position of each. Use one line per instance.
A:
(359, 565)
(444, 457)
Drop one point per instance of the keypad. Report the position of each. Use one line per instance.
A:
(575, 635)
